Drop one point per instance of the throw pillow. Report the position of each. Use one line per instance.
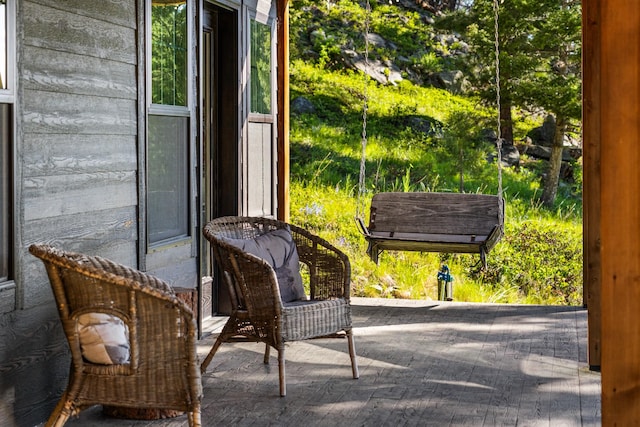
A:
(104, 338)
(279, 250)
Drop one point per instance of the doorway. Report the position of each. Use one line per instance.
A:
(220, 140)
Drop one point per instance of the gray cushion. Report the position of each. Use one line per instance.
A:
(279, 250)
(104, 338)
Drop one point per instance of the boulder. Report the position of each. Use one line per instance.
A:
(302, 105)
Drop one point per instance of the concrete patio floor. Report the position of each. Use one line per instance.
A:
(422, 363)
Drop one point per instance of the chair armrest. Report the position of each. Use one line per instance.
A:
(329, 267)
(361, 227)
(252, 279)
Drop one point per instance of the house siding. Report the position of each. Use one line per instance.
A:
(76, 175)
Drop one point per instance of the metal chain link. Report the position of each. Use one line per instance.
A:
(360, 208)
(496, 16)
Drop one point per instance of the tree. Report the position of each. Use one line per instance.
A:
(539, 44)
(556, 85)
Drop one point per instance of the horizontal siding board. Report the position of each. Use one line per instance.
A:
(34, 365)
(120, 12)
(52, 196)
(7, 300)
(59, 30)
(47, 112)
(50, 71)
(109, 233)
(91, 232)
(59, 154)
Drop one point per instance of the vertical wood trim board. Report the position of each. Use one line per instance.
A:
(620, 210)
(283, 110)
(591, 177)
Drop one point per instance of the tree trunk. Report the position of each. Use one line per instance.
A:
(555, 163)
(506, 122)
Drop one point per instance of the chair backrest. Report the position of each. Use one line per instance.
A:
(328, 269)
(251, 281)
(144, 305)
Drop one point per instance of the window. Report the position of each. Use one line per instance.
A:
(169, 53)
(168, 199)
(6, 188)
(3, 45)
(7, 60)
(168, 124)
(260, 68)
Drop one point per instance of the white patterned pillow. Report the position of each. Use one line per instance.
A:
(104, 338)
(279, 250)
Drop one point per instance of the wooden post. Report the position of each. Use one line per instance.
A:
(591, 175)
(619, 136)
(283, 109)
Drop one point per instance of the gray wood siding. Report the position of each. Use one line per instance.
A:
(56, 29)
(260, 170)
(76, 145)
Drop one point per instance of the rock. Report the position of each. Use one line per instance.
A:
(383, 73)
(302, 105)
(543, 135)
(376, 40)
(569, 154)
(510, 155)
(452, 81)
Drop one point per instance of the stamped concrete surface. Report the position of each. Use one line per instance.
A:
(422, 363)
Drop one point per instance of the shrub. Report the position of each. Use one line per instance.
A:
(542, 259)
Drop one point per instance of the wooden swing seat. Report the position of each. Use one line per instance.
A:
(433, 222)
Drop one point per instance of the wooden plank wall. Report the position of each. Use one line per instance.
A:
(619, 203)
(76, 147)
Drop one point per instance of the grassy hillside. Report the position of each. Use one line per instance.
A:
(419, 138)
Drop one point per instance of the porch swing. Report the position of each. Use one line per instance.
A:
(431, 221)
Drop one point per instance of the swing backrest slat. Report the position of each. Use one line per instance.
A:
(433, 213)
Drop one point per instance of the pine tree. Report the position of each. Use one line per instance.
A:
(540, 51)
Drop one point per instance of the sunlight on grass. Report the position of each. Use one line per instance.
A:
(415, 139)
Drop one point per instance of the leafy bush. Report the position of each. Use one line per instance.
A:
(542, 260)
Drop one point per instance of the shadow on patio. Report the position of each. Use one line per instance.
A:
(423, 363)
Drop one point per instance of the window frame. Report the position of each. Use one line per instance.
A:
(8, 96)
(152, 109)
(268, 20)
(268, 24)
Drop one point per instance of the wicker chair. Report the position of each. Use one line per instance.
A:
(259, 313)
(161, 369)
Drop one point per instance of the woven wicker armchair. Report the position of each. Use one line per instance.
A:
(259, 312)
(159, 365)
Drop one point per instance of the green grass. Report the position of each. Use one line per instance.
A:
(539, 260)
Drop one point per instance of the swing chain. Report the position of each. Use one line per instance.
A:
(496, 16)
(360, 208)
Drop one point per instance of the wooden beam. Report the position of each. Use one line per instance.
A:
(283, 109)
(591, 175)
(619, 111)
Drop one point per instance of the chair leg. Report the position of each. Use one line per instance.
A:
(267, 352)
(228, 331)
(281, 371)
(195, 419)
(60, 414)
(352, 354)
(212, 352)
